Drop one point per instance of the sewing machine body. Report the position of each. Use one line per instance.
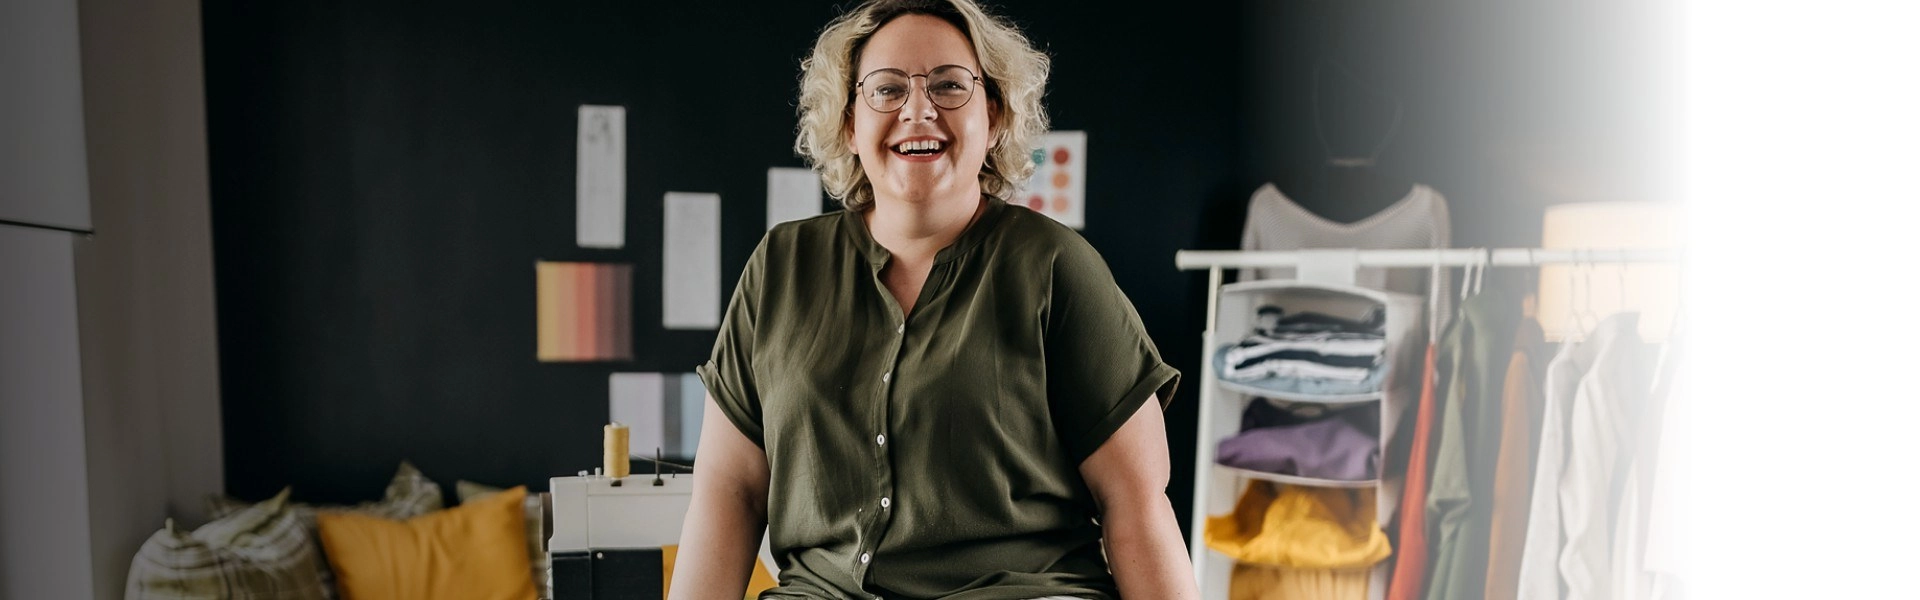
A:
(608, 534)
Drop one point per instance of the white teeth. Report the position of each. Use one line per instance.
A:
(919, 146)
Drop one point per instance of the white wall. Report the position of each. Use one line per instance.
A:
(44, 530)
(109, 381)
(145, 279)
(43, 166)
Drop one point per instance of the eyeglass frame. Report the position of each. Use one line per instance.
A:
(924, 89)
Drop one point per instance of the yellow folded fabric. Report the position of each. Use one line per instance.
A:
(1301, 528)
(1262, 582)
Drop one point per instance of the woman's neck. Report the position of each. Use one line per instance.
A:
(916, 231)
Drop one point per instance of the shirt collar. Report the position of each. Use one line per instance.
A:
(878, 255)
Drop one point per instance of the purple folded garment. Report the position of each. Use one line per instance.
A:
(1324, 449)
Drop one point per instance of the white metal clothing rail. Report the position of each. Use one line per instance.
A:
(1346, 260)
(1193, 260)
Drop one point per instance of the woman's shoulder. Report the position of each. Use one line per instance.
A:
(1037, 236)
(799, 237)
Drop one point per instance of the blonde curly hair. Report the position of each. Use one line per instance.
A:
(1016, 78)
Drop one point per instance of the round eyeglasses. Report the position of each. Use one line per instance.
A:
(948, 86)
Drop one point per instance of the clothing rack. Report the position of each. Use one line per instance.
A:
(1192, 260)
(1337, 268)
(1346, 260)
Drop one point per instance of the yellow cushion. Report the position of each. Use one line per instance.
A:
(762, 579)
(476, 551)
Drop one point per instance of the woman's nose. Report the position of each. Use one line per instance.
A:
(919, 106)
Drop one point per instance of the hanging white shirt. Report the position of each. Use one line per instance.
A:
(1594, 391)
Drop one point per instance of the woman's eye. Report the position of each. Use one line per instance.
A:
(889, 91)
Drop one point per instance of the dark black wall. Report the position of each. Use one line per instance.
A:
(385, 174)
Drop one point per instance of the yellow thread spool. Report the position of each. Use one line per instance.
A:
(614, 457)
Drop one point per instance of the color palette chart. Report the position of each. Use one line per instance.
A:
(585, 311)
(1058, 187)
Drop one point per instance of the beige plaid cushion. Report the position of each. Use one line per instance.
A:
(536, 508)
(409, 494)
(260, 552)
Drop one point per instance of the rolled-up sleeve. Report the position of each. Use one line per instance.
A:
(1101, 365)
(728, 372)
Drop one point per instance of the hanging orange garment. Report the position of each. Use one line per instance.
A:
(1513, 473)
(1410, 566)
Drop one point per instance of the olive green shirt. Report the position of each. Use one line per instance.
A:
(937, 454)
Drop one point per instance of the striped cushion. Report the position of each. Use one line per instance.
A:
(258, 552)
(409, 494)
(536, 507)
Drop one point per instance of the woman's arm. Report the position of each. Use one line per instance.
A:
(721, 535)
(1128, 476)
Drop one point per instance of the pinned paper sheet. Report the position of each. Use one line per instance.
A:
(693, 407)
(690, 273)
(600, 182)
(661, 410)
(585, 311)
(792, 194)
(1058, 188)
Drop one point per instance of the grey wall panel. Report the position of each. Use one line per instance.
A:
(45, 549)
(145, 280)
(43, 153)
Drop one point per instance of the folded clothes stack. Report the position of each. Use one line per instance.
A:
(1308, 353)
(1274, 441)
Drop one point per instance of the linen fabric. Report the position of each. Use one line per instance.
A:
(261, 552)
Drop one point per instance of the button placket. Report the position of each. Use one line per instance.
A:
(883, 474)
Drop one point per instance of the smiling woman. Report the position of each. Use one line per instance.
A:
(931, 394)
(1012, 76)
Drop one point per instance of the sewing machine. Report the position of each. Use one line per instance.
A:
(608, 534)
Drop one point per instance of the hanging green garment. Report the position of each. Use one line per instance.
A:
(1473, 363)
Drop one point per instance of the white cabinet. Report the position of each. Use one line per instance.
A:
(1223, 402)
(43, 150)
(46, 552)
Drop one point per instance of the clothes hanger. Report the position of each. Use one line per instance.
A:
(1588, 313)
(1570, 327)
(1467, 275)
(1486, 264)
(1433, 300)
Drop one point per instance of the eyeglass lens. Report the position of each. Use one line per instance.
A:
(948, 86)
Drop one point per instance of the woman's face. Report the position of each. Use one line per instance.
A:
(949, 145)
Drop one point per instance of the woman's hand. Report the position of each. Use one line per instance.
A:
(1128, 476)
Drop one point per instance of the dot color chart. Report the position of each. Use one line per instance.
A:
(1058, 187)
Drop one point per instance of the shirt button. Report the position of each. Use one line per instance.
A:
(880, 439)
(865, 558)
(886, 503)
(887, 378)
(902, 329)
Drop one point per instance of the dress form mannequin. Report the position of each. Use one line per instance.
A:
(1353, 123)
